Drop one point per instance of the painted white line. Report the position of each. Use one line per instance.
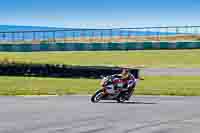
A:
(37, 95)
(32, 96)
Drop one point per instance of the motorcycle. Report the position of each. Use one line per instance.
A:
(109, 91)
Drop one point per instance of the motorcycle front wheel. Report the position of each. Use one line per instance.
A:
(97, 96)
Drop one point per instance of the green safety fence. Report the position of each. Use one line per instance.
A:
(98, 46)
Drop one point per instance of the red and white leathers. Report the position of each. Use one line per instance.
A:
(123, 83)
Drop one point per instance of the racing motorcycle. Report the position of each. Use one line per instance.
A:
(112, 90)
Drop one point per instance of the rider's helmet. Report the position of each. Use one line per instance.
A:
(125, 73)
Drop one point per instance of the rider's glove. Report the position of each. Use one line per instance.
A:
(130, 83)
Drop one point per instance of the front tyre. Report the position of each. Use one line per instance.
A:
(97, 96)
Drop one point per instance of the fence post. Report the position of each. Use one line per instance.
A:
(101, 32)
(92, 37)
(43, 35)
(73, 36)
(64, 33)
(54, 37)
(23, 36)
(158, 35)
(111, 35)
(177, 30)
(34, 36)
(167, 31)
(120, 35)
(4, 36)
(13, 37)
(82, 35)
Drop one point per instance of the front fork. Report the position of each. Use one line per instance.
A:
(105, 93)
(131, 91)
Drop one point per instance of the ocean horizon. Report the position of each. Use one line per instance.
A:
(69, 34)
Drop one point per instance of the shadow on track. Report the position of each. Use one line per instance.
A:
(130, 102)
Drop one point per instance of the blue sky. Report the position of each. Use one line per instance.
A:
(100, 13)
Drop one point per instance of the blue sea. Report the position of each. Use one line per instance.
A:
(7, 28)
(70, 34)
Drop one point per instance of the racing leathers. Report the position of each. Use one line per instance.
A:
(127, 84)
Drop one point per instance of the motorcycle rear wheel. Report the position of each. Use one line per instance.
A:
(121, 100)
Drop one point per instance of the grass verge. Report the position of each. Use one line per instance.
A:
(152, 85)
(146, 58)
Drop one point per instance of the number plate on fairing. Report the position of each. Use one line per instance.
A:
(120, 85)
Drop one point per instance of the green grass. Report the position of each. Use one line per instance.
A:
(148, 58)
(152, 85)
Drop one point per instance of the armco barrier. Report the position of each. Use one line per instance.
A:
(62, 71)
(98, 46)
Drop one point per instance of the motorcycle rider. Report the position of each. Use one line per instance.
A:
(128, 79)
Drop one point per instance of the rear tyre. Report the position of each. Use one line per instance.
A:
(121, 98)
(97, 96)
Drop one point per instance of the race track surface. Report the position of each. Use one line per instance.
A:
(76, 114)
(171, 71)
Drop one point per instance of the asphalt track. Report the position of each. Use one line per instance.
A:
(171, 71)
(76, 114)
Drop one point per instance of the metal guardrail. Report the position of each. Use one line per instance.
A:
(172, 33)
